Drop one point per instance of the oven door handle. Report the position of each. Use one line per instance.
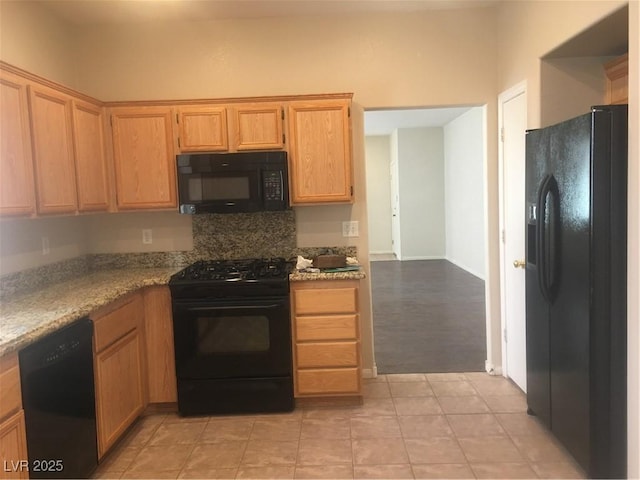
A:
(233, 307)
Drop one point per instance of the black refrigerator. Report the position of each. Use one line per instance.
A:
(576, 210)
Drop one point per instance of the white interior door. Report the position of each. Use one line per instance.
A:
(395, 210)
(513, 105)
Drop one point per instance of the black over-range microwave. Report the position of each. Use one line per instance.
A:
(232, 182)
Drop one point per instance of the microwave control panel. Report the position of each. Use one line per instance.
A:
(272, 185)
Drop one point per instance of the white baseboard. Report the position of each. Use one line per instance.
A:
(370, 372)
(424, 258)
(381, 256)
(465, 268)
(492, 369)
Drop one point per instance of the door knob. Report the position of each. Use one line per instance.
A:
(519, 263)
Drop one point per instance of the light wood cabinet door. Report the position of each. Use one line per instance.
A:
(13, 438)
(91, 163)
(13, 447)
(320, 165)
(119, 367)
(258, 126)
(144, 158)
(119, 388)
(161, 371)
(203, 129)
(10, 391)
(617, 71)
(52, 150)
(17, 195)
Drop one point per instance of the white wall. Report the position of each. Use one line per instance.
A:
(421, 191)
(32, 39)
(569, 87)
(109, 233)
(378, 160)
(21, 242)
(464, 191)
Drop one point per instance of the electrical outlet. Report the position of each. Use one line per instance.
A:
(350, 229)
(147, 236)
(45, 246)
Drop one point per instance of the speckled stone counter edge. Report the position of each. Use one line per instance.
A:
(302, 277)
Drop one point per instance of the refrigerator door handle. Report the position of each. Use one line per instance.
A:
(540, 224)
(547, 244)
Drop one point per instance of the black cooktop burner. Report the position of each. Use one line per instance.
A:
(247, 270)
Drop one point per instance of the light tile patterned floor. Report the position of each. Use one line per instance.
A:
(410, 426)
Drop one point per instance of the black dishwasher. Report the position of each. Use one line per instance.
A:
(59, 403)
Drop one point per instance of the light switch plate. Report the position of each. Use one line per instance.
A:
(350, 229)
(147, 236)
(45, 245)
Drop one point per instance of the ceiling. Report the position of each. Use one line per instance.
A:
(383, 122)
(95, 12)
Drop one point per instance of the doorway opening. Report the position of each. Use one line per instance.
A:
(425, 199)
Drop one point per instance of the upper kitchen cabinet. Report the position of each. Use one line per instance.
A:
(258, 126)
(91, 163)
(235, 127)
(202, 129)
(320, 165)
(617, 71)
(16, 164)
(144, 157)
(52, 150)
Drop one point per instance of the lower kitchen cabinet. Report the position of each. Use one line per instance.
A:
(13, 447)
(326, 338)
(120, 368)
(13, 439)
(161, 364)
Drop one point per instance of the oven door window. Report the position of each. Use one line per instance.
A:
(225, 339)
(232, 335)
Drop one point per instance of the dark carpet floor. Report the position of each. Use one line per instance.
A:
(428, 317)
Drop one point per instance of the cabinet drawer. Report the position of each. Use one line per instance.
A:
(328, 381)
(10, 396)
(326, 300)
(116, 323)
(327, 327)
(337, 354)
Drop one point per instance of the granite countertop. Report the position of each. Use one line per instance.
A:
(27, 317)
(304, 276)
